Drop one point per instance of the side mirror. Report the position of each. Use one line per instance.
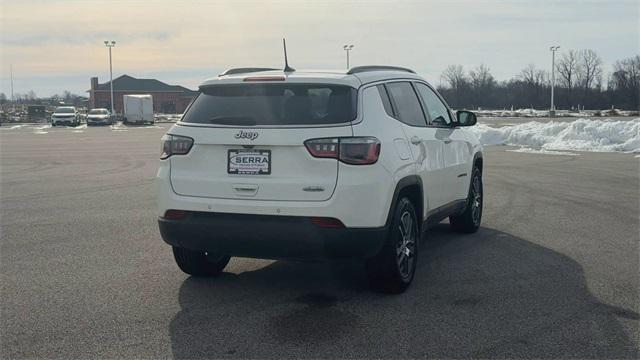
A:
(466, 118)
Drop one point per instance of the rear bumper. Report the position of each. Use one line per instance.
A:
(270, 236)
(64, 121)
(99, 122)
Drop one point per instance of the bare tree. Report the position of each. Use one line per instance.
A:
(454, 76)
(626, 73)
(481, 77)
(31, 95)
(532, 76)
(590, 68)
(567, 68)
(625, 82)
(67, 96)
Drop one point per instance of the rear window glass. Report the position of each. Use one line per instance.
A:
(65, 110)
(273, 104)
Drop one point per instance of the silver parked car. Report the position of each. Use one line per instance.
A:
(99, 117)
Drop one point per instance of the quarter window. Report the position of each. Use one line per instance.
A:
(406, 103)
(385, 100)
(438, 113)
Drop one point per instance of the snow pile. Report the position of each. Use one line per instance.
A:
(528, 113)
(167, 117)
(40, 129)
(118, 127)
(577, 135)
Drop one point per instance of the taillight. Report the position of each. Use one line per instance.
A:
(175, 145)
(352, 150)
(323, 148)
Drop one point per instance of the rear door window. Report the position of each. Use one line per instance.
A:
(273, 104)
(406, 104)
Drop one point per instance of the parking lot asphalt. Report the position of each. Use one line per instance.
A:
(552, 273)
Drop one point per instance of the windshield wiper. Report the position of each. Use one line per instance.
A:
(233, 120)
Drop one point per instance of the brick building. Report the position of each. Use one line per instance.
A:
(167, 99)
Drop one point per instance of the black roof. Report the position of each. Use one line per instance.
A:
(129, 83)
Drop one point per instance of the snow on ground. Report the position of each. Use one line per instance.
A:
(118, 127)
(40, 129)
(80, 129)
(542, 151)
(578, 135)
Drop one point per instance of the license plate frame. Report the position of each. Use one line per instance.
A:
(248, 168)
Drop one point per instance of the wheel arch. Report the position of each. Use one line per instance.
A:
(410, 186)
(478, 161)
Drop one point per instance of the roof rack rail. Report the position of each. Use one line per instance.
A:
(244, 70)
(366, 68)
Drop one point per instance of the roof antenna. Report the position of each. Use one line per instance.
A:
(287, 68)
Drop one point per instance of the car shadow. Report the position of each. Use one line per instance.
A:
(484, 295)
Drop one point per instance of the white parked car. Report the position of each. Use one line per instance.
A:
(65, 115)
(317, 165)
(99, 117)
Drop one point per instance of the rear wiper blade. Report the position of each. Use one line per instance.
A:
(233, 120)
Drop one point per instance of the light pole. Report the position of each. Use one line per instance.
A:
(110, 44)
(552, 110)
(347, 48)
(11, 71)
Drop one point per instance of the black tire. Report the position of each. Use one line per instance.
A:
(198, 263)
(392, 269)
(470, 219)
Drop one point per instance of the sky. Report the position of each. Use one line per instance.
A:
(58, 45)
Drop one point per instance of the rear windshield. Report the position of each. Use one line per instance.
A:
(65, 110)
(98, 112)
(273, 104)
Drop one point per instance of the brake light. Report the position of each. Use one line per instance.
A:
(353, 150)
(264, 78)
(175, 145)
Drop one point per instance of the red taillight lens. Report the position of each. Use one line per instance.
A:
(175, 145)
(359, 150)
(326, 222)
(354, 150)
(175, 214)
(323, 148)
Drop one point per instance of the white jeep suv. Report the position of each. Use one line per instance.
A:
(317, 165)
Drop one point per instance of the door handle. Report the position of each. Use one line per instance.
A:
(447, 141)
(415, 140)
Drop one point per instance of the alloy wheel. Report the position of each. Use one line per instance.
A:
(406, 246)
